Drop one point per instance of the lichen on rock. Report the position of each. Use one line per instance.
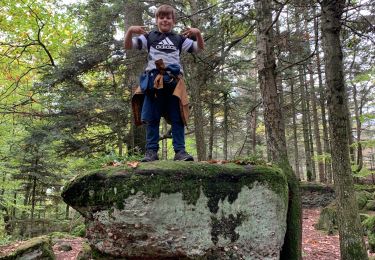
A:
(183, 209)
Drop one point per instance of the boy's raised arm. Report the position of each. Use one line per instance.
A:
(128, 41)
(197, 33)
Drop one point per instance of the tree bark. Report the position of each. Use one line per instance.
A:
(358, 113)
(135, 65)
(309, 123)
(305, 126)
(225, 126)
(274, 124)
(212, 129)
(352, 244)
(312, 95)
(197, 84)
(322, 102)
(33, 198)
(295, 136)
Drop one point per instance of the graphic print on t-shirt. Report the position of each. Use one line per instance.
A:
(166, 44)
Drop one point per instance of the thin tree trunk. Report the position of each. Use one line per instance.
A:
(312, 96)
(33, 198)
(305, 126)
(352, 244)
(327, 177)
(212, 129)
(134, 11)
(311, 143)
(293, 104)
(197, 83)
(349, 129)
(253, 130)
(274, 124)
(295, 136)
(322, 103)
(358, 113)
(14, 205)
(225, 126)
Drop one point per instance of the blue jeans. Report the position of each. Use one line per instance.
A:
(164, 103)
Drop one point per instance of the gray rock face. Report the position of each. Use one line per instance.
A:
(247, 224)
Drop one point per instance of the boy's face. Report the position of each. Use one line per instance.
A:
(165, 23)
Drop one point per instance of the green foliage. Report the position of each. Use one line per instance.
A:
(364, 172)
(79, 231)
(325, 157)
(362, 198)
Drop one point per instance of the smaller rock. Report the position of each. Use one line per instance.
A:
(85, 253)
(33, 249)
(370, 205)
(65, 247)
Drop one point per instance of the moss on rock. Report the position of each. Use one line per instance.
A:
(370, 205)
(36, 248)
(183, 208)
(85, 253)
(328, 219)
(104, 188)
(362, 198)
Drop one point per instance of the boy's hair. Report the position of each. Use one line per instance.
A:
(165, 10)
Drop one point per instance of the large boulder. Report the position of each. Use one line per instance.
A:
(189, 210)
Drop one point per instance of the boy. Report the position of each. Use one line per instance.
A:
(165, 46)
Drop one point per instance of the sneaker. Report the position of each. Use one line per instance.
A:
(182, 155)
(150, 156)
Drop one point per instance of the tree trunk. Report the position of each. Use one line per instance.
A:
(197, 84)
(305, 126)
(225, 126)
(358, 113)
(349, 129)
(322, 102)
(274, 124)
(313, 95)
(253, 130)
(352, 244)
(212, 129)
(14, 205)
(33, 198)
(135, 65)
(309, 119)
(295, 136)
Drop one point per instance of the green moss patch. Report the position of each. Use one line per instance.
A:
(104, 188)
(40, 244)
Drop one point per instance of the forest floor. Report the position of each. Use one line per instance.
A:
(316, 244)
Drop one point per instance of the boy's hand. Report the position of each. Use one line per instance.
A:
(137, 29)
(188, 32)
(191, 32)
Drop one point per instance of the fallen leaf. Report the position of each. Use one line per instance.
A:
(132, 164)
